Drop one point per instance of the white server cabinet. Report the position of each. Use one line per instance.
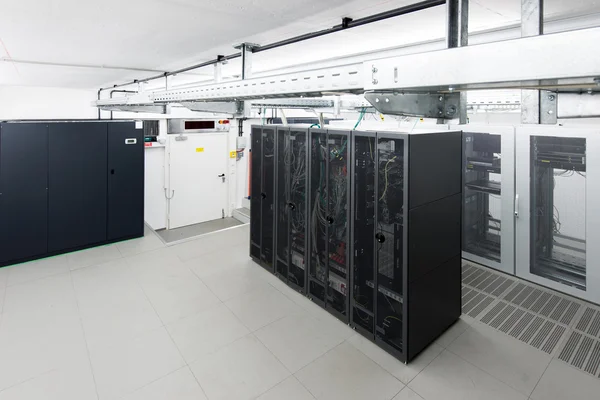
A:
(488, 196)
(557, 211)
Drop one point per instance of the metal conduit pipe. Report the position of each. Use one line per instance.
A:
(347, 23)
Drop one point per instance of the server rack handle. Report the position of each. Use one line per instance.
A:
(330, 220)
(263, 195)
(292, 206)
(517, 206)
(380, 238)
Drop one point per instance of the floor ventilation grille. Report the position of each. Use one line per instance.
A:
(556, 324)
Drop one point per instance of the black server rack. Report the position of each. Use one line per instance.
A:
(406, 238)
(291, 207)
(262, 216)
(328, 220)
(68, 185)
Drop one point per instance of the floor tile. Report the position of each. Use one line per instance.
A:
(140, 245)
(54, 294)
(106, 286)
(129, 365)
(261, 307)
(161, 258)
(449, 377)
(68, 383)
(168, 275)
(187, 298)
(126, 321)
(206, 332)
(228, 285)
(403, 372)
(38, 344)
(178, 385)
(210, 243)
(93, 256)
(452, 333)
(3, 276)
(299, 339)
(506, 358)
(37, 269)
(345, 373)
(242, 370)
(407, 394)
(561, 381)
(290, 389)
(220, 261)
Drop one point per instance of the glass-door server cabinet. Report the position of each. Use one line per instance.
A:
(557, 209)
(406, 238)
(488, 196)
(328, 220)
(262, 195)
(291, 206)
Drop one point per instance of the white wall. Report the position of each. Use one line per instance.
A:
(25, 102)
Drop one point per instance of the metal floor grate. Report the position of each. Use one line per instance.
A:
(554, 323)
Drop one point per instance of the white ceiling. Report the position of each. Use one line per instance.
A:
(158, 35)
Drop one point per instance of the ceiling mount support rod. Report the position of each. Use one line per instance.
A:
(246, 50)
(457, 35)
(537, 106)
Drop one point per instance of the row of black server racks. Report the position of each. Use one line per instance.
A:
(366, 224)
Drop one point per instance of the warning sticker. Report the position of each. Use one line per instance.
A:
(232, 154)
(199, 149)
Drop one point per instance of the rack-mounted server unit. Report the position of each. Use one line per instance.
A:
(262, 216)
(329, 220)
(406, 238)
(291, 224)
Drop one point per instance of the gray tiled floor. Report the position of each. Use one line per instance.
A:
(138, 320)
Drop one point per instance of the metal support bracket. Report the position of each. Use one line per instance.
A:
(425, 105)
(458, 36)
(548, 107)
(246, 53)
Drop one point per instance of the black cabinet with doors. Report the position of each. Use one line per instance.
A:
(406, 238)
(68, 185)
(23, 191)
(262, 201)
(291, 206)
(328, 219)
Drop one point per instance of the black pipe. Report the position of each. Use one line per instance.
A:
(346, 24)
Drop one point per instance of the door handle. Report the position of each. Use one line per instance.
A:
(330, 220)
(380, 238)
(292, 206)
(222, 176)
(517, 206)
(263, 195)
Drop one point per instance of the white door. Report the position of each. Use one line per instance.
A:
(198, 171)
(488, 196)
(558, 212)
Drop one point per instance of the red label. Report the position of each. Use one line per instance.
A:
(148, 144)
